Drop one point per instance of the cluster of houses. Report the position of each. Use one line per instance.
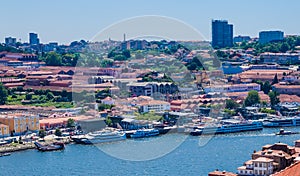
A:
(132, 93)
(19, 122)
(278, 159)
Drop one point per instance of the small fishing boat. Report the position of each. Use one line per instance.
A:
(5, 154)
(283, 132)
(52, 147)
(3, 142)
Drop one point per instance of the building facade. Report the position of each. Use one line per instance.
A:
(222, 34)
(19, 123)
(280, 58)
(154, 105)
(240, 38)
(270, 36)
(4, 130)
(287, 89)
(10, 41)
(257, 167)
(33, 39)
(151, 88)
(233, 88)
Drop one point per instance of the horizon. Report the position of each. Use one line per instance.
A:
(54, 20)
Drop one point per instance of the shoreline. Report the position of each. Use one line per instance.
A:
(16, 147)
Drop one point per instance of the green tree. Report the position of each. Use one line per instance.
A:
(120, 57)
(107, 63)
(111, 54)
(230, 104)
(53, 59)
(252, 98)
(28, 96)
(70, 59)
(274, 100)
(3, 94)
(230, 112)
(284, 73)
(58, 132)
(275, 80)
(42, 133)
(266, 87)
(70, 123)
(50, 96)
(268, 111)
(192, 66)
(284, 47)
(102, 107)
(108, 121)
(126, 53)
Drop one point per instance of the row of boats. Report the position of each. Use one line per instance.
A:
(281, 122)
(206, 129)
(111, 135)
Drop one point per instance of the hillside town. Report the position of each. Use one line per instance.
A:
(233, 85)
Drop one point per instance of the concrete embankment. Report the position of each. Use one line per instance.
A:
(14, 147)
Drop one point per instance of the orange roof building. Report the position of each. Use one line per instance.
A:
(293, 170)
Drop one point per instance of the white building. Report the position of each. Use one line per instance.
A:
(108, 101)
(154, 105)
(261, 166)
(232, 88)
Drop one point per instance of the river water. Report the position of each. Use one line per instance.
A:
(170, 154)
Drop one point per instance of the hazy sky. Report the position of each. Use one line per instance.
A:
(68, 20)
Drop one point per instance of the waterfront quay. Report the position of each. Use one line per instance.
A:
(16, 145)
(230, 152)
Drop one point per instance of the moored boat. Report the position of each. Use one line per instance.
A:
(227, 128)
(99, 137)
(282, 122)
(52, 147)
(145, 133)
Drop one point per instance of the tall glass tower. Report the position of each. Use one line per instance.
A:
(222, 34)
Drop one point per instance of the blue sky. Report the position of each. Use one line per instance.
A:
(67, 20)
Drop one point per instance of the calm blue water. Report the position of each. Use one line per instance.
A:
(225, 152)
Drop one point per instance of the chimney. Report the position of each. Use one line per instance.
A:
(297, 143)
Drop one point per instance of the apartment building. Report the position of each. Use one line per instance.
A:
(19, 123)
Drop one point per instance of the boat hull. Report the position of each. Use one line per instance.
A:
(97, 140)
(52, 147)
(226, 129)
(145, 133)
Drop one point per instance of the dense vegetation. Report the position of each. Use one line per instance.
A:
(10, 49)
(3, 94)
(288, 44)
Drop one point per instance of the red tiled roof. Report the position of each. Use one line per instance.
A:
(293, 170)
(287, 86)
(289, 98)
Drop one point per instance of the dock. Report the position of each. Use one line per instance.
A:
(14, 147)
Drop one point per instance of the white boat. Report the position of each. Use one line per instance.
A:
(227, 128)
(282, 122)
(99, 137)
(145, 133)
